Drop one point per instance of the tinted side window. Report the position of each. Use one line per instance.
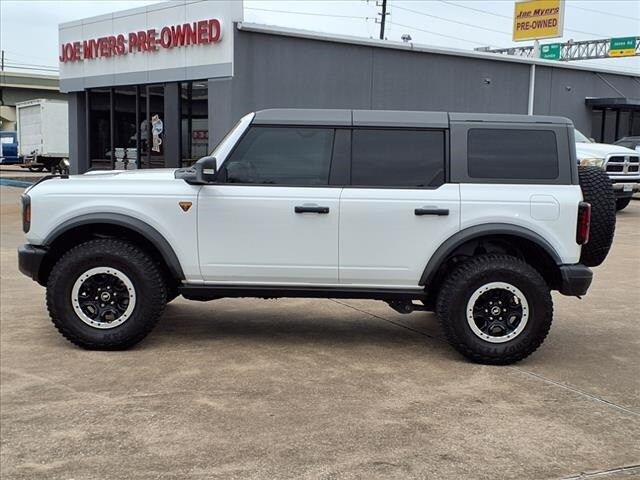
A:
(512, 154)
(397, 158)
(282, 156)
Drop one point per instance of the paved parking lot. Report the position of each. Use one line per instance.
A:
(320, 389)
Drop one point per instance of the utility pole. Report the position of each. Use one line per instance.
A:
(384, 17)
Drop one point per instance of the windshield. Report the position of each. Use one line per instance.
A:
(580, 137)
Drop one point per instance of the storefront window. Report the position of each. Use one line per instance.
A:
(125, 137)
(127, 127)
(194, 121)
(100, 128)
(152, 128)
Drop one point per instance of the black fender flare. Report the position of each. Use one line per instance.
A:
(131, 223)
(478, 231)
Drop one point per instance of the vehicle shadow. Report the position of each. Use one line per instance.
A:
(264, 321)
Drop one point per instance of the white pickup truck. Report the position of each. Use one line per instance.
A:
(621, 164)
(477, 217)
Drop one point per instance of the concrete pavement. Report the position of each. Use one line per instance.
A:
(324, 389)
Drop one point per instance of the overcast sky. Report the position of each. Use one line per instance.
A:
(29, 29)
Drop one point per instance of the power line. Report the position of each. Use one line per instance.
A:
(23, 67)
(452, 21)
(12, 60)
(510, 18)
(600, 12)
(12, 53)
(306, 13)
(435, 33)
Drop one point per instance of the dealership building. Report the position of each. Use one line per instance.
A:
(160, 85)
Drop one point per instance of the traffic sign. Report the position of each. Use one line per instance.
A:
(550, 51)
(622, 47)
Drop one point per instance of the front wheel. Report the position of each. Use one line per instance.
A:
(495, 309)
(105, 294)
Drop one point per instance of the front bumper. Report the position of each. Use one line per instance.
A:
(625, 187)
(30, 259)
(575, 279)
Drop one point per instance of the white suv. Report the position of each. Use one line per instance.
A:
(476, 217)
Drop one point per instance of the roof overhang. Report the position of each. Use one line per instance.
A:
(618, 103)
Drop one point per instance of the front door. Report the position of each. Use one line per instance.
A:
(272, 218)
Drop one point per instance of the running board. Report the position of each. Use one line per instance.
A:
(212, 292)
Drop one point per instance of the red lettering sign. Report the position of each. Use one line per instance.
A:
(202, 32)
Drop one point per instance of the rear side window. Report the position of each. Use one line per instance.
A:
(512, 154)
(397, 158)
(282, 156)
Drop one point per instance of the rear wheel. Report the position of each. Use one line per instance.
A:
(621, 203)
(495, 309)
(105, 294)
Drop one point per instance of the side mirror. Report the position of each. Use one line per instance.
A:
(206, 168)
(201, 173)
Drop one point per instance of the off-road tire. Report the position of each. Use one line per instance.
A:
(457, 289)
(597, 190)
(621, 203)
(140, 268)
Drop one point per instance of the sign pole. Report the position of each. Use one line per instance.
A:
(532, 88)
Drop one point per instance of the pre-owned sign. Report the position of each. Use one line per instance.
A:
(197, 33)
(535, 19)
(173, 41)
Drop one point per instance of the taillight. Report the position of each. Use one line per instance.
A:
(584, 223)
(26, 212)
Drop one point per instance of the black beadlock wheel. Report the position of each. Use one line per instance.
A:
(495, 309)
(622, 203)
(105, 294)
(597, 190)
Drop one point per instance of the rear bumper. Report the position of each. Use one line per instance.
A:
(575, 279)
(30, 259)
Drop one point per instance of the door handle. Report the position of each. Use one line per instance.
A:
(310, 209)
(441, 212)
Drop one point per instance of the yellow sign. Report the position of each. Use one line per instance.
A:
(535, 19)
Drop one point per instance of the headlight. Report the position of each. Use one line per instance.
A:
(592, 162)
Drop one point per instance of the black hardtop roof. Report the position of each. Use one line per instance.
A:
(389, 118)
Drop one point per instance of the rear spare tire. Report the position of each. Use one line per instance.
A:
(597, 190)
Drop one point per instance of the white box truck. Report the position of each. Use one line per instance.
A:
(43, 134)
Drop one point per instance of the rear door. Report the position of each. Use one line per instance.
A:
(398, 209)
(273, 217)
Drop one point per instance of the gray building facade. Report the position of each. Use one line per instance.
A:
(115, 125)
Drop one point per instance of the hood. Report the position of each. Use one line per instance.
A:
(601, 150)
(138, 175)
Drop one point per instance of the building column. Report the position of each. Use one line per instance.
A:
(78, 141)
(220, 113)
(172, 129)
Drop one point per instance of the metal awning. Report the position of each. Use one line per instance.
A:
(617, 103)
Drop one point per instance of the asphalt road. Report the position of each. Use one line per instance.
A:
(328, 389)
